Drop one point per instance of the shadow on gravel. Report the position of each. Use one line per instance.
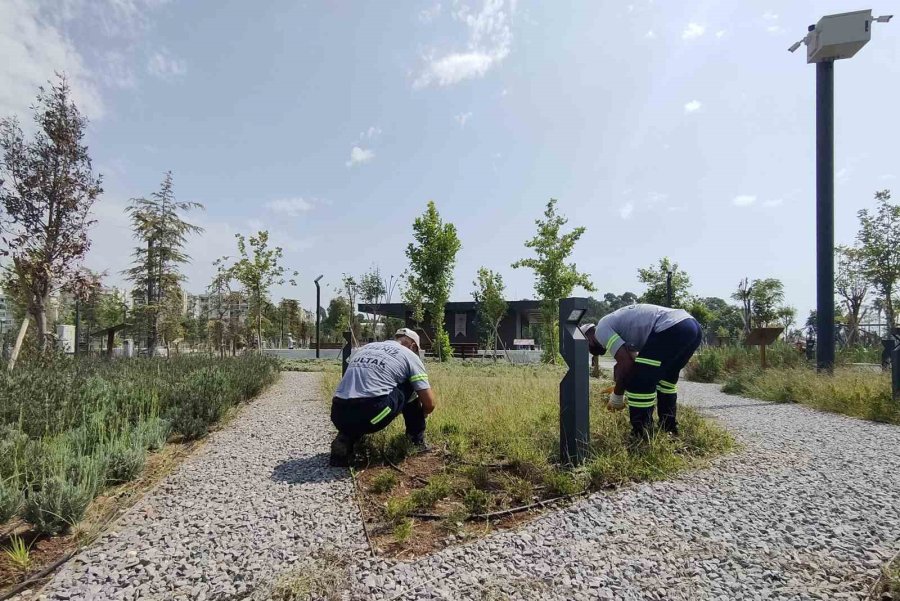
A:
(314, 468)
(739, 406)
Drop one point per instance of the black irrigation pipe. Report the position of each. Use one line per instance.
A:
(504, 512)
(362, 515)
(401, 470)
(39, 576)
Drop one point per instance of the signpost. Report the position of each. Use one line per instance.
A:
(574, 408)
(763, 337)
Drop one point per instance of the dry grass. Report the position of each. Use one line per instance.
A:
(861, 394)
(315, 578)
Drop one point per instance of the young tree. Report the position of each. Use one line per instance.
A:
(162, 231)
(553, 277)
(655, 278)
(219, 293)
(786, 316)
(372, 290)
(852, 286)
(170, 316)
(258, 269)
(47, 190)
(431, 261)
(337, 319)
(489, 298)
(744, 295)
(767, 295)
(351, 288)
(879, 239)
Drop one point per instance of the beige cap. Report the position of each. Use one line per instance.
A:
(409, 334)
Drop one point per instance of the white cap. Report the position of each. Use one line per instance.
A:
(409, 334)
(585, 327)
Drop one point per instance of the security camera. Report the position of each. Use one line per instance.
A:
(884, 18)
(794, 47)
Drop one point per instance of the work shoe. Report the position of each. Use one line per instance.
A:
(419, 445)
(341, 451)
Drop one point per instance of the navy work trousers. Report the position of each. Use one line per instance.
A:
(654, 382)
(356, 417)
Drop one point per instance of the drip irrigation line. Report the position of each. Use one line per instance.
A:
(359, 506)
(39, 576)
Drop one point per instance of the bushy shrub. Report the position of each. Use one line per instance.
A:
(152, 433)
(383, 482)
(124, 460)
(704, 367)
(476, 501)
(10, 498)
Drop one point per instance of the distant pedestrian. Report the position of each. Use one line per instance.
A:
(383, 380)
(664, 340)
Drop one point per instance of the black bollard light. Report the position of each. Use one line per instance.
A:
(895, 365)
(345, 352)
(574, 389)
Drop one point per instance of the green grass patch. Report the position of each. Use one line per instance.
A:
(496, 437)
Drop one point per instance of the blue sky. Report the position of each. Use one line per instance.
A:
(682, 129)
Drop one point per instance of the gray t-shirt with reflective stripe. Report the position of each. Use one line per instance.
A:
(378, 368)
(631, 326)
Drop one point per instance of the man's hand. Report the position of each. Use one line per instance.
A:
(426, 397)
(616, 402)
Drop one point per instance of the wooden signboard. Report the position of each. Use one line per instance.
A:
(763, 337)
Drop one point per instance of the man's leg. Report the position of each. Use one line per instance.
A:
(687, 335)
(353, 419)
(414, 418)
(640, 395)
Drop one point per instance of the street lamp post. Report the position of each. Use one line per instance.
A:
(318, 314)
(834, 37)
(669, 289)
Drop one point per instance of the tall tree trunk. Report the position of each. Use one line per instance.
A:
(40, 321)
(258, 321)
(889, 309)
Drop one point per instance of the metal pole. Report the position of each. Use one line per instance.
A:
(318, 316)
(895, 370)
(574, 388)
(669, 289)
(825, 215)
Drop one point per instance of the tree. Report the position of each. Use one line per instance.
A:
(158, 225)
(431, 260)
(258, 269)
(553, 277)
(611, 302)
(351, 288)
(489, 299)
(767, 295)
(337, 319)
(655, 278)
(170, 317)
(786, 316)
(852, 286)
(744, 295)
(372, 290)
(47, 190)
(726, 320)
(879, 239)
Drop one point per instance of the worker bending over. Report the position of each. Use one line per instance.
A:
(664, 339)
(383, 380)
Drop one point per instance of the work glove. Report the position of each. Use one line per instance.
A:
(616, 402)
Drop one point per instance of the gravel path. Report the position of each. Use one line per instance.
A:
(807, 510)
(256, 499)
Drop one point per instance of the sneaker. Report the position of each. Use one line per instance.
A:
(341, 451)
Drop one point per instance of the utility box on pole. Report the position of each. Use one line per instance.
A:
(574, 389)
(839, 36)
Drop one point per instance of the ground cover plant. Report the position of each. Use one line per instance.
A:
(495, 449)
(305, 365)
(71, 428)
(790, 378)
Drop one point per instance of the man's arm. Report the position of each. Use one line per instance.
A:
(623, 370)
(426, 397)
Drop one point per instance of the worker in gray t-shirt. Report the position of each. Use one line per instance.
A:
(383, 380)
(664, 340)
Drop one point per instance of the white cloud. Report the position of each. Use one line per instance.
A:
(163, 65)
(33, 48)
(770, 16)
(744, 200)
(693, 106)
(720, 34)
(774, 202)
(372, 132)
(657, 197)
(887, 176)
(360, 155)
(430, 14)
(650, 34)
(842, 175)
(462, 118)
(775, 29)
(292, 207)
(693, 31)
(626, 210)
(489, 43)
